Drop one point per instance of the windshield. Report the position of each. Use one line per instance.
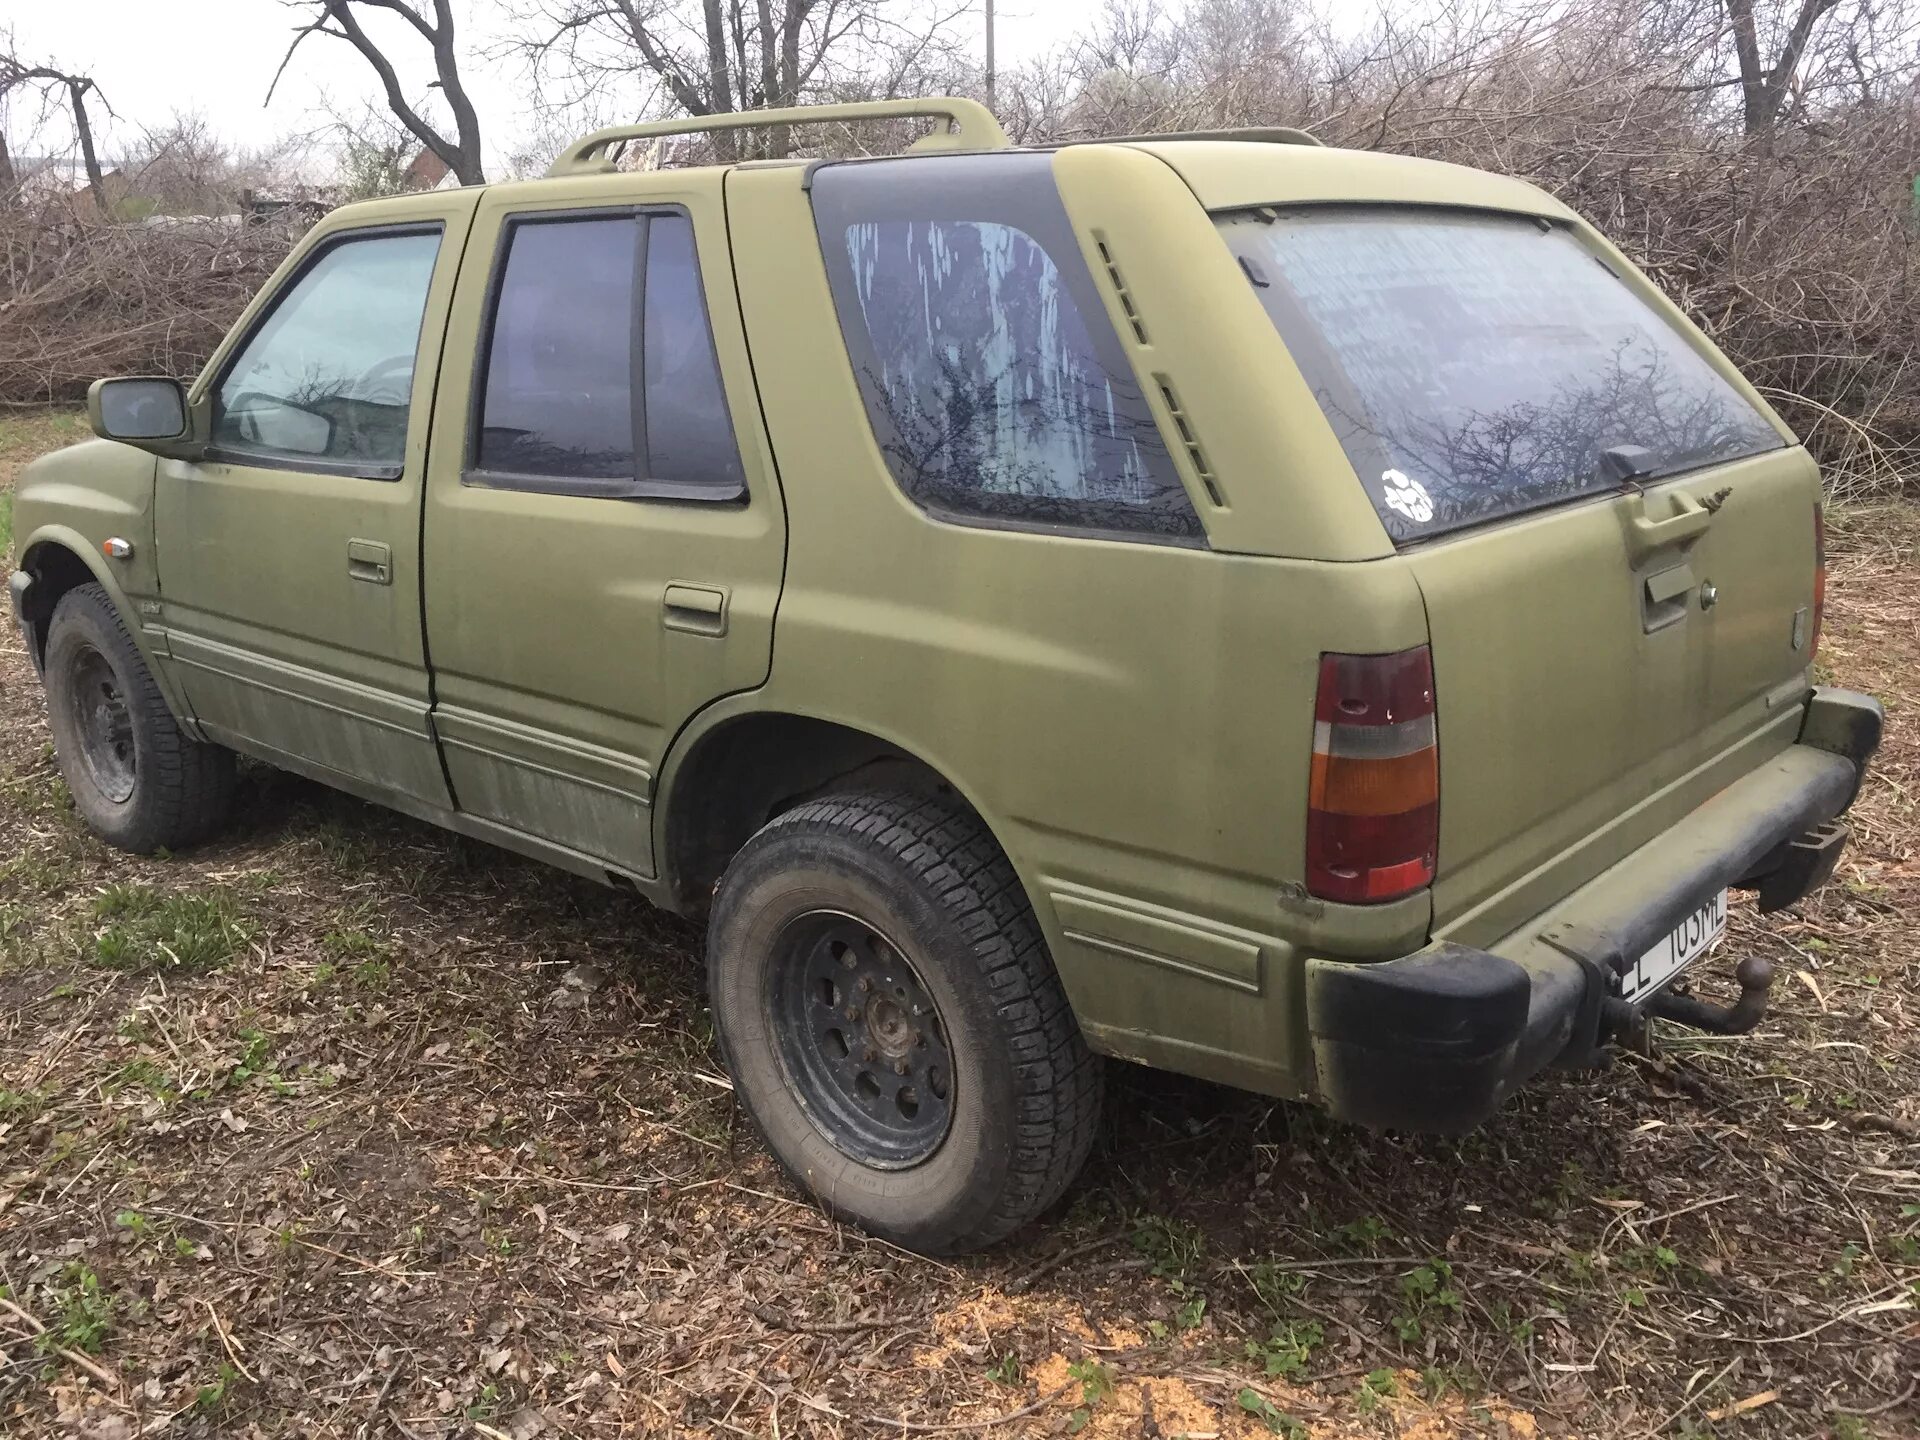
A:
(1476, 366)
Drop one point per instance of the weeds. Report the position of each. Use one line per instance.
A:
(1375, 1387)
(212, 1398)
(1425, 1293)
(1270, 1415)
(83, 1311)
(1096, 1384)
(1287, 1351)
(1173, 1247)
(147, 932)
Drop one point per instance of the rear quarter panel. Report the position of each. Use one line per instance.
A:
(1132, 720)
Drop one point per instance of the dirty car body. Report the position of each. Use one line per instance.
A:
(1369, 623)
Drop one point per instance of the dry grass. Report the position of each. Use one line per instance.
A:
(431, 1141)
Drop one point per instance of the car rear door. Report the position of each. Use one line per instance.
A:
(1614, 541)
(604, 538)
(288, 555)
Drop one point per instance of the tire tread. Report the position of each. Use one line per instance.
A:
(953, 854)
(191, 782)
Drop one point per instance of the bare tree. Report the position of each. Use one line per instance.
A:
(716, 57)
(50, 80)
(1789, 60)
(341, 20)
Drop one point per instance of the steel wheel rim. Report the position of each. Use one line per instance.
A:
(861, 1040)
(100, 717)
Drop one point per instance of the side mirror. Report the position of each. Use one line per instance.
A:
(148, 411)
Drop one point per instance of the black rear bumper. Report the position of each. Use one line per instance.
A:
(1436, 1041)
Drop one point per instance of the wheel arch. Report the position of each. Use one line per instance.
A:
(735, 768)
(60, 560)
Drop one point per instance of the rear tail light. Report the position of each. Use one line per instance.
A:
(1819, 580)
(1373, 804)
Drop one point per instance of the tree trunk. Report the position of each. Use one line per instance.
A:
(466, 123)
(726, 144)
(77, 88)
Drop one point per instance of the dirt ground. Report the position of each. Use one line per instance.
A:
(345, 1127)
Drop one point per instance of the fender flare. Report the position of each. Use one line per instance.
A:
(746, 704)
(64, 537)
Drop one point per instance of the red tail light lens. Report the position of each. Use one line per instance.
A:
(1373, 804)
(1819, 580)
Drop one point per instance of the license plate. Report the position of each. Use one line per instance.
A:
(1691, 938)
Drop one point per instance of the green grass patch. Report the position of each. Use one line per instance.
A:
(146, 932)
(6, 522)
(82, 1311)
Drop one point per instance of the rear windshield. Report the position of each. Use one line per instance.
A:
(1476, 366)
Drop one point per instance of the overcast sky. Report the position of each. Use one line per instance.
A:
(153, 57)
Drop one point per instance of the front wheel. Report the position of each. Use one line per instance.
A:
(137, 781)
(893, 1024)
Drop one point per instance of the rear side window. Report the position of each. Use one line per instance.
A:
(601, 376)
(993, 381)
(1477, 366)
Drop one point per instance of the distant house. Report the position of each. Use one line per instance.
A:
(44, 178)
(427, 171)
(300, 205)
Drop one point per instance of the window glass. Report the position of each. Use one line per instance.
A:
(690, 438)
(993, 382)
(329, 375)
(559, 386)
(1477, 366)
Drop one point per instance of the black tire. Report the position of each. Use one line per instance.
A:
(927, 879)
(137, 781)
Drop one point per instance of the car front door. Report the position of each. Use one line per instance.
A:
(289, 554)
(604, 556)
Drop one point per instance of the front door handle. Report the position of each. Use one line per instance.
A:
(697, 609)
(371, 561)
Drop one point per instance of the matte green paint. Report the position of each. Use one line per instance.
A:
(1133, 720)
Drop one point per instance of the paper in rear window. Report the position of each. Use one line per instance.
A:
(1476, 366)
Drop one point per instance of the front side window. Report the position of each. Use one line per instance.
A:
(601, 375)
(327, 378)
(1477, 366)
(994, 384)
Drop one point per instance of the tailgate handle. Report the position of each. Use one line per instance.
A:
(1687, 522)
(1664, 597)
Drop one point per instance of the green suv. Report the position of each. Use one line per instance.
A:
(1320, 621)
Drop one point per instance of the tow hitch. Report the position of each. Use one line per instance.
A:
(1755, 976)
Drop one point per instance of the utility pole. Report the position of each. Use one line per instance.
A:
(989, 5)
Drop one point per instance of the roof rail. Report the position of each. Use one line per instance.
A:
(970, 126)
(1265, 134)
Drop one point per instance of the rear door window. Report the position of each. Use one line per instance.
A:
(1477, 366)
(994, 383)
(559, 396)
(601, 374)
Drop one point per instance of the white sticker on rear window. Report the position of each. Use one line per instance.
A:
(1406, 495)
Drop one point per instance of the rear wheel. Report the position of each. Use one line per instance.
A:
(893, 1023)
(137, 781)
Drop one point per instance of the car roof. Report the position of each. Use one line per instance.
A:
(1223, 170)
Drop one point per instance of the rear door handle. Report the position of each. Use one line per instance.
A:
(371, 561)
(697, 609)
